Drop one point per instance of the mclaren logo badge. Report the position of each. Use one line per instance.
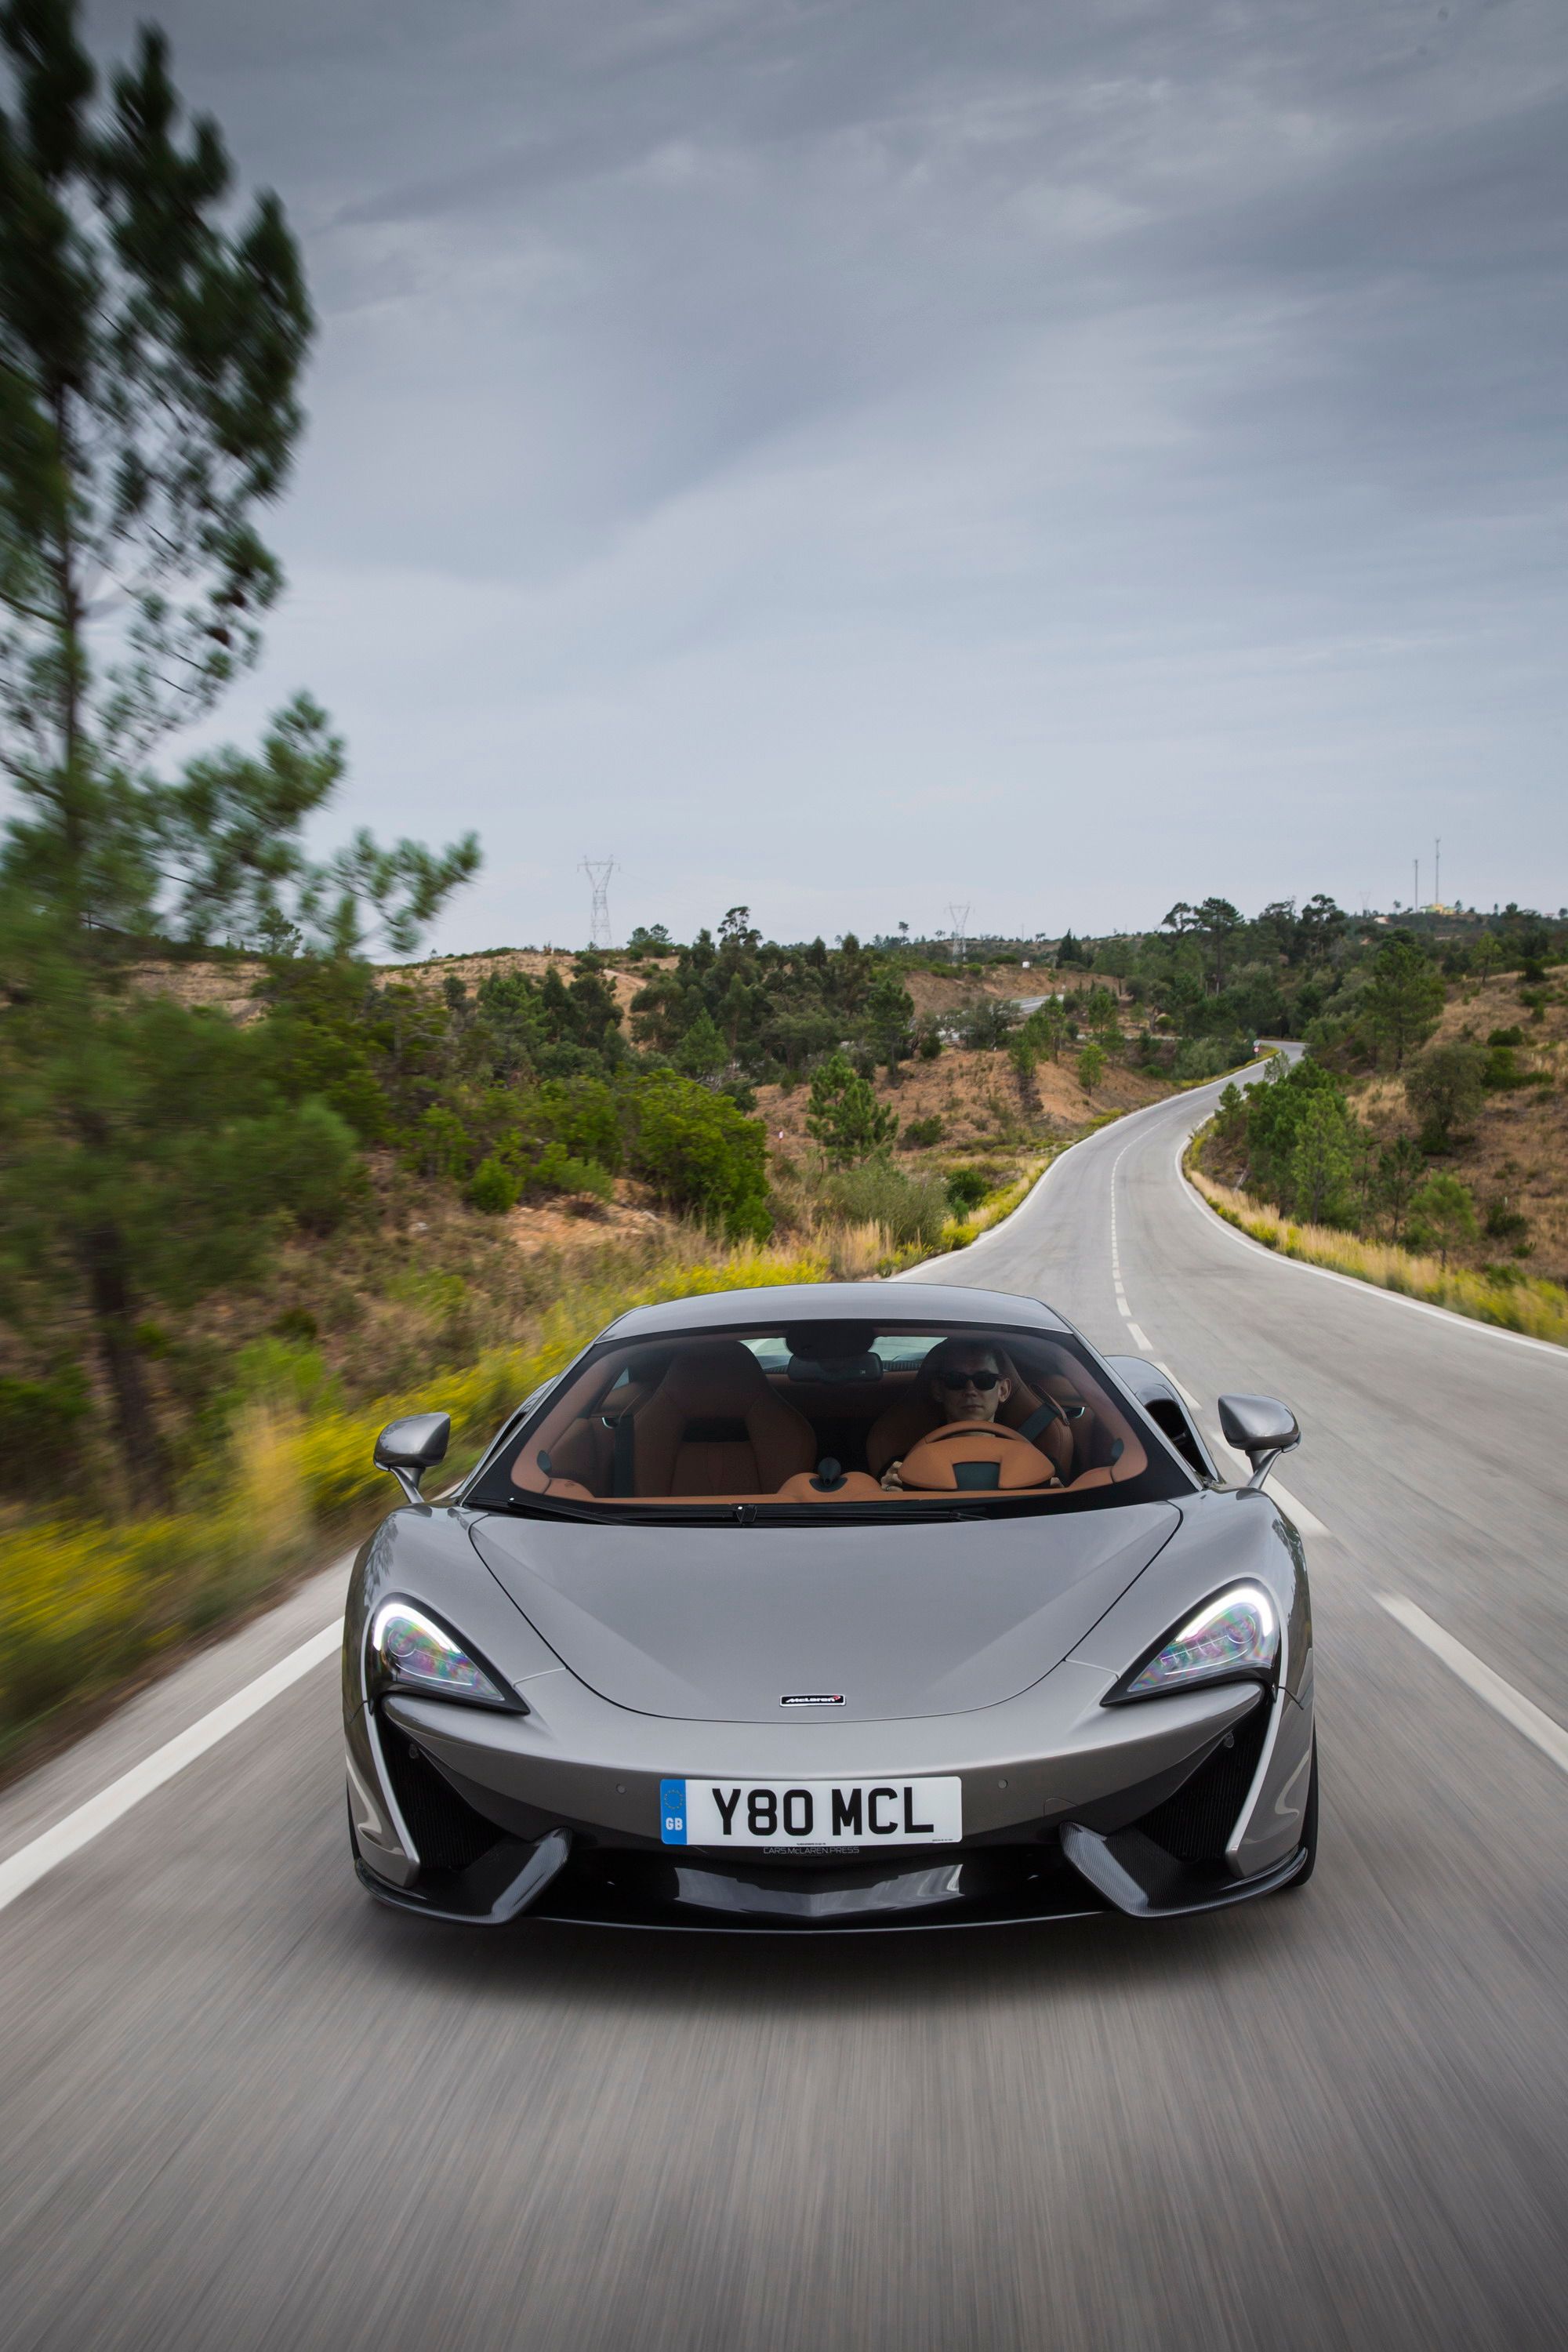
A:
(813, 1699)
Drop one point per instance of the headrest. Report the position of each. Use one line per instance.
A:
(718, 1381)
(831, 1340)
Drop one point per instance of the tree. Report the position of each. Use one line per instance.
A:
(1024, 1052)
(700, 1154)
(1217, 922)
(890, 1021)
(1399, 1171)
(844, 1114)
(1051, 1024)
(1443, 1210)
(1321, 1163)
(702, 1053)
(1091, 1066)
(1444, 1088)
(127, 1200)
(1404, 997)
(151, 347)
(649, 940)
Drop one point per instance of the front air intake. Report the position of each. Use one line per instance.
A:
(448, 1834)
(1195, 1825)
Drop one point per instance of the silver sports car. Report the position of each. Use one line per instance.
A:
(832, 1608)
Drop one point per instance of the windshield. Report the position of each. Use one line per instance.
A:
(832, 1416)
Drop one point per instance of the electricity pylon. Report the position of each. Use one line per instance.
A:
(598, 871)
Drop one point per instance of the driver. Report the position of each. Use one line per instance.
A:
(968, 1383)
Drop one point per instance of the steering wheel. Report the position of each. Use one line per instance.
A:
(954, 1429)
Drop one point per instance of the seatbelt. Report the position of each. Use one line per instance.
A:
(623, 1460)
(1041, 1418)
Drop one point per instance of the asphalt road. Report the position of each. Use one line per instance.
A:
(242, 2107)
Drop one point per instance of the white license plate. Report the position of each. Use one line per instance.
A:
(811, 1812)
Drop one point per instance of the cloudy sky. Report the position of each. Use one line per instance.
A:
(847, 455)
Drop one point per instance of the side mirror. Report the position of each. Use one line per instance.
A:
(1261, 1428)
(412, 1446)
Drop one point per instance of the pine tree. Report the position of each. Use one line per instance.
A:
(150, 357)
(844, 1114)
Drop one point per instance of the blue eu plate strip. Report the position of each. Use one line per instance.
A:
(672, 1812)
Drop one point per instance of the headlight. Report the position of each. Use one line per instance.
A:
(1234, 1634)
(415, 1654)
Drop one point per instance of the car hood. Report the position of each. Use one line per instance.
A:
(721, 1623)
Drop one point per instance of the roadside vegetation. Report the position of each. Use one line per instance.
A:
(266, 1177)
(1422, 1144)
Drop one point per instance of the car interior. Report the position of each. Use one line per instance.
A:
(829, 1413)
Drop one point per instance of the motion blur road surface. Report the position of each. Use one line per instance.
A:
(244, 2106)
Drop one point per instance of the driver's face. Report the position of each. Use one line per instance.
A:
(970, 1386)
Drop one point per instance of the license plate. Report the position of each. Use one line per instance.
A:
(811, 1812)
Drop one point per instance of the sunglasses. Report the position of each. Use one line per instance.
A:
(982, 1380)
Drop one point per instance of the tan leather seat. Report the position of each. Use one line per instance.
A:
(713, 1426)
(917, 1412)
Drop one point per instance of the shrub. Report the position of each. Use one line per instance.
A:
(921, 1133)
(1209, 1058)
(493, 1187)
(699, 1154)
(966, 1188)
(1091, 1066)
(1443, 1214)
(908, 1208)
(583, 1117)
(440, 1144)
(40, 1427)
(557, 1170)
(844, 1114)
(1443, 1089)
(1514, 1036)
(1506, 1224)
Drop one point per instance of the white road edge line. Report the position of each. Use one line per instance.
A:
(24, 1869)
(1472, 1323)
(1541, 1729)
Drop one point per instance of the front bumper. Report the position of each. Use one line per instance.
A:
(1186, 1805)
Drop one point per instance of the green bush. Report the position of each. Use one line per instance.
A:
(1443, 1087)
(583, 1117)
(39, 1428)
(921, 1133)
(844, 1114)
(493, 1187)
(440, 1144)
(557, 1170)
(966, 1188)
(908, 1208)
(699, 1154)
(1209, 1058)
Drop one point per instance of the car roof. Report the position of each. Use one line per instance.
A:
(927, 1304)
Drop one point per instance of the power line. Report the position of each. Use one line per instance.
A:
(598, 871)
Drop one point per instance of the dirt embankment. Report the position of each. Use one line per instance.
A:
(1514, 1156)
(975, 1097)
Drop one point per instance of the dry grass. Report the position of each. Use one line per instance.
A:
(87, 1603)
(1536, 1308)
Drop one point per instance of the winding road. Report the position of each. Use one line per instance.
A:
(243, 2107)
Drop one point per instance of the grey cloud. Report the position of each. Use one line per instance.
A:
(743, 432)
